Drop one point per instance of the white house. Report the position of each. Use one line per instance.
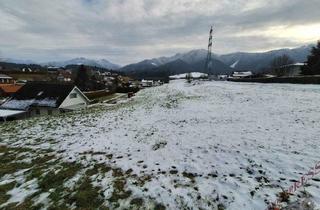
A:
(5, 79)
(194, 75)
(35, 99)
(146, 83)
(222, 77)
(240, 75)
(290, 70)
(26, 70)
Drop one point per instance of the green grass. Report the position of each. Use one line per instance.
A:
(55, 179)
(27, 204)
(98, 168)
(9, 161)
(51, 173)
(4, 189)
(87, 196)
(119, 191)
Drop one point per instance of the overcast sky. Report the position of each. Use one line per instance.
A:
(126, 31)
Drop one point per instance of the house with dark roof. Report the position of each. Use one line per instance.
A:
(5, 79)
(38, 98)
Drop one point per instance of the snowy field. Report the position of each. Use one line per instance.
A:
(207, 145)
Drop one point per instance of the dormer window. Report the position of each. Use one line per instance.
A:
(73, 95)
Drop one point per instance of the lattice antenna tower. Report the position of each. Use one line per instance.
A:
(209, 61)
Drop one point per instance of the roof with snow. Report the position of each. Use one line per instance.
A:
(242, 74)
(192, 74)
(38, 94)
(293, 64)
(8, 113)
(4, 76)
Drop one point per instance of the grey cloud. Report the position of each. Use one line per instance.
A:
(130, 30)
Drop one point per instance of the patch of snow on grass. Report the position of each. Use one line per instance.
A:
(234, 144)
(42, 199)
(18, 194)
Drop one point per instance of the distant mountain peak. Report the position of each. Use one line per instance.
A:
(103, 63)
(192, 61)
(17, 61)
(260, 61)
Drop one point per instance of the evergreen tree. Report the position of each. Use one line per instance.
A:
(313, 63)
(189, 77)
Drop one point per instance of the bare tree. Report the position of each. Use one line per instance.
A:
(279, 62)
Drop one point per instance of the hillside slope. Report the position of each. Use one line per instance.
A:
(179, 146)
(260, 61)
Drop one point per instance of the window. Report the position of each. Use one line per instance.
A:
(38, 111)
(73, 95)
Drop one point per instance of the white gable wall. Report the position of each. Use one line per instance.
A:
(78, 102)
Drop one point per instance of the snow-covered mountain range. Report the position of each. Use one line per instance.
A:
(195, 61)
(189, 58)
(178, 64)
(103, 63)
(17, 61)
(261, 61)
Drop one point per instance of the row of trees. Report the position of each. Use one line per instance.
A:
(311, 68)
(279, 62)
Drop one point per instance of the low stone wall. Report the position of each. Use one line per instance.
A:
(127, 89)
(292, 80)
(97, 94)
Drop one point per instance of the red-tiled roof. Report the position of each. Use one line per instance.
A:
(10, 88)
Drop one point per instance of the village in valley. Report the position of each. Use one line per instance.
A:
(27, 92)
(214, 106)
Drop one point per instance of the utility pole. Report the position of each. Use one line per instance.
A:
(209, 62)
